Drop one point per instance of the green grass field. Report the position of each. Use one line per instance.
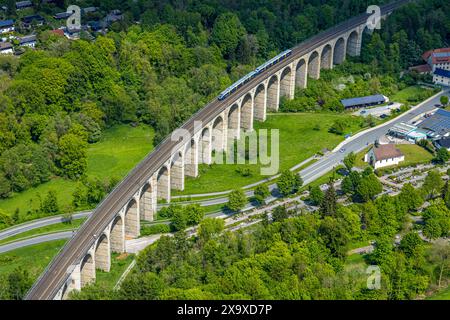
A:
(119, 263)
(412, 95)
(442, 295)
(34, 259)
(119, 150)
(414, 154)
(301, 136)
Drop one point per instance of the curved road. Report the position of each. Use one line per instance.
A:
(57, 273)
(36, 240)
(21, 228)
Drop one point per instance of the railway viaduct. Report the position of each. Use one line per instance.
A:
(118, 217)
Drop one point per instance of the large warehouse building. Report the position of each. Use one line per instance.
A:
(437, 125)
(407, 132)
(361, 102)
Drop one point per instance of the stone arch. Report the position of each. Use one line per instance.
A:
(353, 44)
(146, 203)
(103, 254)
(273, 92)
(163, 184)
(286, 83)
(259, 103)
(177, 171)
(65, 291)
(339, 51)
(117, 236)
(132, 220)
(314, 65)
(218, 134)
(191, 159)
(326, 59)
(233, 118)
(247, 112)
(87, 270)
(301, 74)
(205, 146)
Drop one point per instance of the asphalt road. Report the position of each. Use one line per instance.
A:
(36, 240)
(53, 278)
(328, 162)
(28, 226)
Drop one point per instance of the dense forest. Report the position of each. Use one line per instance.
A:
(302, 255)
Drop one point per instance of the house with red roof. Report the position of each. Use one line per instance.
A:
(439, 61)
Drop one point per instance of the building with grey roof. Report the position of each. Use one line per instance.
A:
(361, 102)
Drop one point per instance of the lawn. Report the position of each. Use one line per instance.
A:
(58, 227)
(442, 295)
(301, 136)
(119, 150)
(412, 95)
(34, 259)
(119, 263)
(414, 154)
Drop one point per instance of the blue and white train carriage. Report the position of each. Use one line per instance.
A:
(254, 73)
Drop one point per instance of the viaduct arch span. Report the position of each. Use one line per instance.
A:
(117, 218)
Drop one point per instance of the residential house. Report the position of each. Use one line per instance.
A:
(6, 26)
(384, 156)
(23, 5)
(6, 48)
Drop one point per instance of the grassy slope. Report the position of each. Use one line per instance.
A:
(119, 263)
(409, 92)
(298, 141)
(442, 295)
(120, 149)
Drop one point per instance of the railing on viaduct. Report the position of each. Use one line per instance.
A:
(118, 217)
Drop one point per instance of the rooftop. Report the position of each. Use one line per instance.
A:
(386, 151)
(58, 32)
(23, 4)
(441, 55)
(5, 45)
(27, 39)
(29, 19)
(404, 128)
(424, 68)
(445, 142)
(438, 123)
(6, 23)
(378, 98)
(62, 15)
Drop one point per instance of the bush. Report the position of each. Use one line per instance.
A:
(155, 229)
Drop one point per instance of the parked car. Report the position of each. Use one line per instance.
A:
(383, 116)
